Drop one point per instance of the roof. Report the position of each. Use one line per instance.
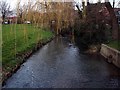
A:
(12, 17)
(116, 9)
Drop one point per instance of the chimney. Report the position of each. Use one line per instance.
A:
(84, 8)
(83, 3)
(88, 2)
(106, 0)
(113, 3)
(99, 1)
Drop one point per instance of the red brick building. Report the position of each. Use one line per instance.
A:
(117, 13)
(103, 13)
(11, 19)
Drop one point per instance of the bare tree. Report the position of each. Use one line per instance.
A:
(20, 12)
(5, 9)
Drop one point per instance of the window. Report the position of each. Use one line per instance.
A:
(119, 12)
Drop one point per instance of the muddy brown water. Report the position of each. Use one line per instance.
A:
(60, 64)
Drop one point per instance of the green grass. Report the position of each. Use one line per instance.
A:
(18, 39)
(115, 44)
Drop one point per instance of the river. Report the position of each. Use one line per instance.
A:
(61, 64)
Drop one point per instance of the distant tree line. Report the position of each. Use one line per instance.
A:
(56, 15)
(5, 10)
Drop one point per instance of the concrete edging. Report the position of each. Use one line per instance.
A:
(111, 54)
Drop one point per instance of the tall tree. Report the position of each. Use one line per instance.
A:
(44, 13)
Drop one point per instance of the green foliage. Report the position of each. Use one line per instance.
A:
(114, 44)
(92, 33)
(18, 39)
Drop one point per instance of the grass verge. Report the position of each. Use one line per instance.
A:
(17, 41)
(114, 44)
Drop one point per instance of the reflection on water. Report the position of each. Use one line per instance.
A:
(60, 64)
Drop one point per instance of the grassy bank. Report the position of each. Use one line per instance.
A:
(18, 39)
(114, 44)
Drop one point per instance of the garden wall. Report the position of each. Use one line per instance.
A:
(112, 55)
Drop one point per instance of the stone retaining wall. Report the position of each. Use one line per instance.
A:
(111, 54)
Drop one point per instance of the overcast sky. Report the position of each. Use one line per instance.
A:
(13, 2)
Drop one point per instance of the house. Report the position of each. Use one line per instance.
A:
(117, 13)
(101, 14)
(98, 13)
(11, 19)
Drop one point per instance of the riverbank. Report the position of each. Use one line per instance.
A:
(93, 49)
(114, 44)
(112, 55)
(109, 51)
(19, 43)
(61, 65)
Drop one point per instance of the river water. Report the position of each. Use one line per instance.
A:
(61, 64)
